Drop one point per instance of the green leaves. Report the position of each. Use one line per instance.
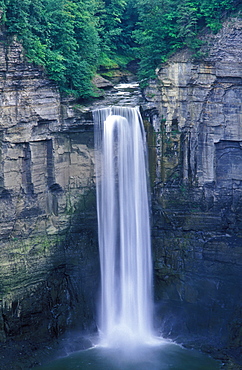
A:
(70, 38)
(60, 35)
(166, 25)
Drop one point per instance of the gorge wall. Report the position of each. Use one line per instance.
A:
(48, 258)
(49, 267)
(196, 138)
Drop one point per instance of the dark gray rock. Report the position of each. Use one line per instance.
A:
(194, 109)
(49, 268)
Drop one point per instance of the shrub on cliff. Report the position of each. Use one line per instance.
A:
(167, 25)
(60, 35)
(72, 38)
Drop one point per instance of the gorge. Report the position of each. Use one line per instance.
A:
(49, 264)
(126, 337)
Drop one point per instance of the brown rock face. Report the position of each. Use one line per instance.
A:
(49, 259)
(196, 115)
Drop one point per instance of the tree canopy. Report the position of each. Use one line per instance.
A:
(72, 38)
(167, 25)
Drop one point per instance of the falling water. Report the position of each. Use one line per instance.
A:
(124, 227)
(125, 255)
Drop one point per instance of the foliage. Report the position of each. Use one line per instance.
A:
(117, 21)
(61, 35)
(166, 25)
(72, 38)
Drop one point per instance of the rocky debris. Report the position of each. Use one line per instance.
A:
(101, 83)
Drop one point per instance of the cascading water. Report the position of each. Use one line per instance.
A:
(123, 227)
(127, 340)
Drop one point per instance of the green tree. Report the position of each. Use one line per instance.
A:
(157, 34)
(61, 35)
(166, 25)
(71, 38)
(117, 21)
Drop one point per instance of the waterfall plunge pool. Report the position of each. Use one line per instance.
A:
(127, 341)
(166, 356)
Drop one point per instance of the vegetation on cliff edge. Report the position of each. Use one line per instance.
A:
(71, 39)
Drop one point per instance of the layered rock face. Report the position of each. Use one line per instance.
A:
(196, 115)
(49, 259)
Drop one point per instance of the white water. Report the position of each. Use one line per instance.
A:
(124, 228)
(125, 254)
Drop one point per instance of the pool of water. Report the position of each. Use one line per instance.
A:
(166, 356)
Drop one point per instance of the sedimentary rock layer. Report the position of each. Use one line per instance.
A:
(47, 205)
(195, 110)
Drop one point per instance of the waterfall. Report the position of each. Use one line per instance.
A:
(123, 227)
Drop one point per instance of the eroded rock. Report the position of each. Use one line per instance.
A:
(194, 109)
(49, 259)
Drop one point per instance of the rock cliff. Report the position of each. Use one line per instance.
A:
(49, 258)
(194, 107)
(49, 263)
